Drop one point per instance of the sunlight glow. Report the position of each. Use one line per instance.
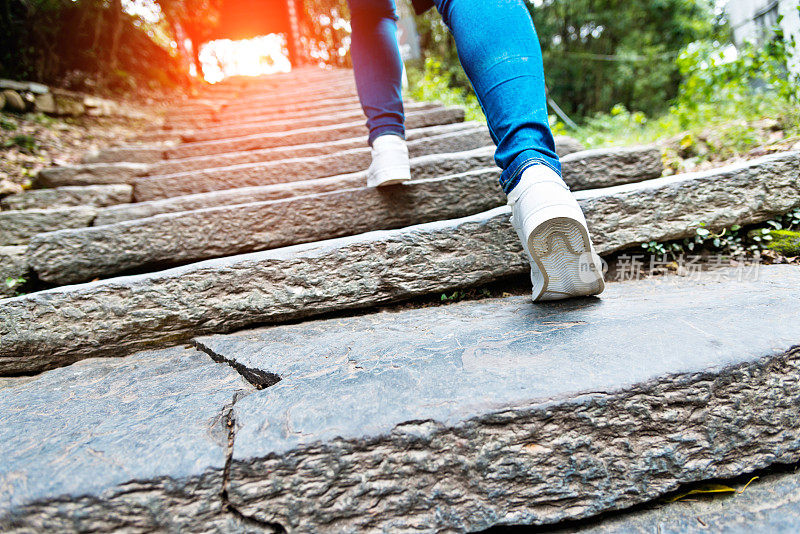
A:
(249, 57)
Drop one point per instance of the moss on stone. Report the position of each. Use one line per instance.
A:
(784, 242)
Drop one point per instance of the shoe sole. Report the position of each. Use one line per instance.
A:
(392, 176)
(562, 250)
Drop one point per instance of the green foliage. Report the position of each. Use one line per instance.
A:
(15, 282)
(598, 53)
(7, 124)
(26, 143)
(434, 84)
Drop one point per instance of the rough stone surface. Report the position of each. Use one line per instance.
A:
(305, 135)
(437, 139)
(461, 417)
(770, 504)
(87, 195)
(299, 169)
(126, 154)
(603, 167)
(567, 145)
(13, 264)
(96, 173)
(474, 422)
(270, 124)
(156, 242)
(14, 102)
(594, 168)
(367, 269)
(135, 443)
(18, 226)
(48, 329)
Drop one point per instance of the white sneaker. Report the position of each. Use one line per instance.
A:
(390, 163)
(553, 231)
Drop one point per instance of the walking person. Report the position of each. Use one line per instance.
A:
(500, 53)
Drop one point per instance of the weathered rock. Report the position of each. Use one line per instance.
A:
(450, 138)
(7, 187)
(45, 103)
(305, 135)
(769, 504)
(173, 239)
(17, 227)
(126, 154)
(87, 195)
(91, 174)
(2, 101)
(13, 266)
(367, 269)
(69, 104)
(567, 145)
(603, 167)
(476, 422)
(14, 102)
(230, 197)
(462, 417)
(104, 445)
(29, 87)
(595, 168)
(298, 169)
(240, 129)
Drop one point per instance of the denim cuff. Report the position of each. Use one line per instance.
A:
(527, 158)
(387, 129)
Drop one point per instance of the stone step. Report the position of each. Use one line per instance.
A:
(275, 98)
(771, 503)
(305, 135)
(210, 132)
(581, 170)
(157, 154)
(18, 226)
(446, 138)
(88, 174)
(179, 238)
(48, 329)
(320, 112)
(414, 119)
(445, 143)
(476, 422)
(89, 195)
(13, 265)
(266, 125)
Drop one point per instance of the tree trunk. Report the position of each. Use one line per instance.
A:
(116, 32)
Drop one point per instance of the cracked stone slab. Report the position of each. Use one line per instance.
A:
(304, 135)
(125, 154)
(90, 174)
(13, 264)
(461, 417)
(87, 195)
(179, 238)
(47, 329)
(770, 504)
(598, 168)
(18, 226)
(108, 444)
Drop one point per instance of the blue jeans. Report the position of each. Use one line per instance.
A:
(499, 50)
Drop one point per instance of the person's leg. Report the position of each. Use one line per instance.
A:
(377, 65)
(499, 50)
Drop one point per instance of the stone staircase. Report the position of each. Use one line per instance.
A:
(135, 399)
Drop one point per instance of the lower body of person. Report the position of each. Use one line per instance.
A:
(500, 53)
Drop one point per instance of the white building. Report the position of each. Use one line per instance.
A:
(753, 20)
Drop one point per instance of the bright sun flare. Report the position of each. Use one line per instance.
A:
(248, 57)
